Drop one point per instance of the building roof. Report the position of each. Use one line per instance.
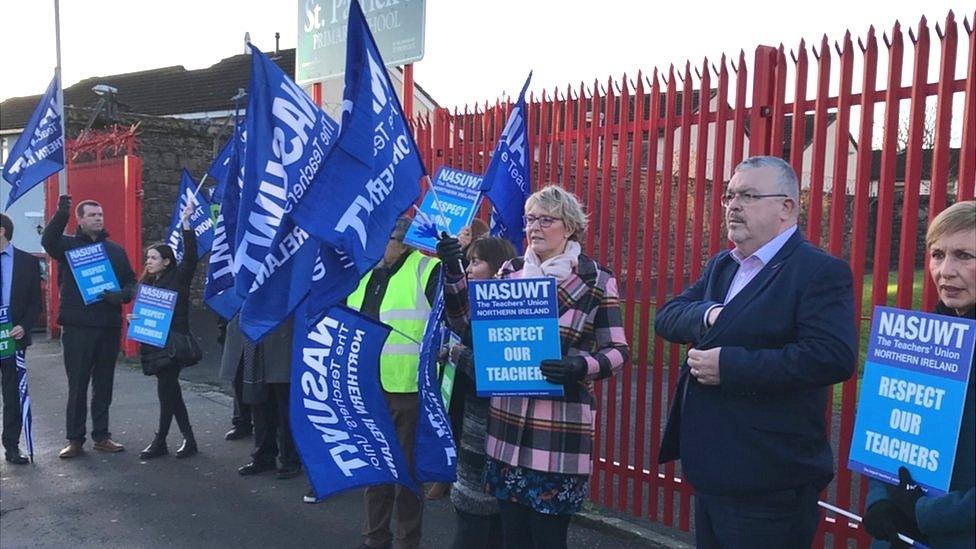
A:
(160, 92)
(901, 158)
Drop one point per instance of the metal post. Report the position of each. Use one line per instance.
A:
(63, 175)
(408, 92)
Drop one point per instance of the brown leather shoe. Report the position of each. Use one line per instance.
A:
(73, 449)
(108, 445)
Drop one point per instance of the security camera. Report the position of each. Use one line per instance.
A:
(102, 89)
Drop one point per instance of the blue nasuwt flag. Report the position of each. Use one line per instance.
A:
(39, 152)
(339, 419)
(200, 220)
(373, 173)
(288, 139)
(434, 453)
(506, 181)
(220, 293)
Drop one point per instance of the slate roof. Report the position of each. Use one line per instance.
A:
(159, 92)
(901, 159)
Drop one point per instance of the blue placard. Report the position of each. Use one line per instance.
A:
(912, 397)
(514, 327)
(92, 271)
(449, 204)
(151, 315)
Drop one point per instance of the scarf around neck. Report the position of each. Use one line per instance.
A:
(559, 266)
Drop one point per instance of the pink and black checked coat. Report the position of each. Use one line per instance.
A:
(556, 434)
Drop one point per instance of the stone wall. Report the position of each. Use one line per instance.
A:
(166, 146)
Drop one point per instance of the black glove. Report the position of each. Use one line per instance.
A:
(883, 521)
(904, 497)
(64, 203)
(564, 370)
(449, 252)
(112, 298)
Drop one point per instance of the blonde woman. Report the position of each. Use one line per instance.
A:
(540, 448)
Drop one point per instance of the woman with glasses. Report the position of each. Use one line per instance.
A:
(478, 521)
(540, 448)
(946, 520)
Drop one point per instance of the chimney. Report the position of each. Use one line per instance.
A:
(277, 41)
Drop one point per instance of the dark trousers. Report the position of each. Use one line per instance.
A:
(786, 518)
(12, 421)
(171, 403)
(523, 527)
(477, 531)
(242, 412)
(272, 432)
(89, 357)
(381, 499)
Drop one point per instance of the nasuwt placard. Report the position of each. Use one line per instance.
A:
(152, 315)
(912, 396)
(449, 205)
(92, 271)
(514, 327)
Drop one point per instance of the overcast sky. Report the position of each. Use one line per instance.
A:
(474, 50)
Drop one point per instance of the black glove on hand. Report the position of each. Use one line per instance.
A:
(64, 203)
(112, 298)
(883, 521)
(449, 252)
(564, 370)
(904, 497)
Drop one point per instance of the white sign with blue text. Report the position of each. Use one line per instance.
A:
(514, 327)
(449, 205)
(92, 271)
(152, 315)
(912, 397)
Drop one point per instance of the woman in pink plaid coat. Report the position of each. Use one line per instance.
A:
(540, 448)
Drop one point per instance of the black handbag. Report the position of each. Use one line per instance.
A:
(183, 349)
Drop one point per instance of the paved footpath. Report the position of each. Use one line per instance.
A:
(116, 500)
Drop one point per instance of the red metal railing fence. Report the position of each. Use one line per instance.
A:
(650, 157)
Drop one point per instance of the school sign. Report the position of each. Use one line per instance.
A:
(397, 27)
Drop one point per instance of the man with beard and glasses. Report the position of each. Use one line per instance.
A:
(770, 327)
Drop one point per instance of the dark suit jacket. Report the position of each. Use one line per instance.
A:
(785, 338)
(25, 294)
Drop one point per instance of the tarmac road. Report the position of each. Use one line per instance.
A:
(116, 500)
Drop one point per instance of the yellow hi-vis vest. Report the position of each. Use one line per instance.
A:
(405, 308)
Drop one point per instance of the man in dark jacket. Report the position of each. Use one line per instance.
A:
(771, 327)
(90, 333)
(20, 281)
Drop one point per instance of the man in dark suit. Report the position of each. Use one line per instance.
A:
(770, 326)
(20, 274)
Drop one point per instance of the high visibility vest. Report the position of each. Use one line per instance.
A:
(405, 308)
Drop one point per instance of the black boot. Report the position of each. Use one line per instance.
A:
(189, 446)
(155, 449)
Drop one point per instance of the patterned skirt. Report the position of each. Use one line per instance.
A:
(543, 492)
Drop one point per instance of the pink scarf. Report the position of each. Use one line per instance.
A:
(558, 267)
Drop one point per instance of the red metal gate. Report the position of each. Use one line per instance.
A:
(650, 157)
(102, 167)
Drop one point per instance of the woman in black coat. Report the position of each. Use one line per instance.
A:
(162, 271)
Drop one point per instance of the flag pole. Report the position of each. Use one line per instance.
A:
(63, 174)
(852, 516)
